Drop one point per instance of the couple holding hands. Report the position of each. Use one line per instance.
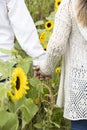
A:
(69, 40)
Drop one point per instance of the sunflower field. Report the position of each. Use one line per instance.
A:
(26, 103)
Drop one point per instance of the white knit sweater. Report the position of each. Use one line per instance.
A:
(69, 39)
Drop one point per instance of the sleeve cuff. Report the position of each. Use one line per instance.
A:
(37, 60)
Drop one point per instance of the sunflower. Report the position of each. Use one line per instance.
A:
(58, 70)
(42, 37)
(19, 84)
(57, 3)
(49, 25)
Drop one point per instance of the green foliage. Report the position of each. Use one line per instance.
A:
(37, 109)
(24, 107)
(40, 9)
(8, 119)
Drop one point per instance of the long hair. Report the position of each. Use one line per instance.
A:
(82, 12)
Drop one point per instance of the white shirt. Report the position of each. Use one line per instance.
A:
(69, 39)
(15, 20)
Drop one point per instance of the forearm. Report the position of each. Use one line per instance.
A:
(24, 29)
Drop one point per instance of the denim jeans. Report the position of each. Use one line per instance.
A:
(79, 125)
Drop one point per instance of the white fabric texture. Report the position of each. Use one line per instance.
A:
(17, 21)
(69, 41)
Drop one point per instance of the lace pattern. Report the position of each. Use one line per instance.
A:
(68, 41)
(57, 43)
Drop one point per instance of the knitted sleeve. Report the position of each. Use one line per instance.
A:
(57, 43)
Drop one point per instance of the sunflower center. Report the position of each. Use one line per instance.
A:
(17, 83)
(59, 3)
(49, 25)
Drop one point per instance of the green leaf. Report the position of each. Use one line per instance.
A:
(6, 68)
(28, 109)
(3, 92)
(36, 83)
(51, 16)
(12, 124)
(8, 121)
(25, 63)
(41, 30)
(41, 22)
(38, 125)
(55, 124)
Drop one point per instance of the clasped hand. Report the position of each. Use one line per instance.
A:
(39, 74)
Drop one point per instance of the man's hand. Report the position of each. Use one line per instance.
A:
(39, 74)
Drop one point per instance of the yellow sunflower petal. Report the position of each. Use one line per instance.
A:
(11, 96)
(19, 83)
(57, 3)
(43, 37)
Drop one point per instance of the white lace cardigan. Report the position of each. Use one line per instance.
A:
(69, 39)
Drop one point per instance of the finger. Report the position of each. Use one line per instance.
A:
(41, 73)
(42, 78)
(37, 68)
(36, 74)
(47, 78)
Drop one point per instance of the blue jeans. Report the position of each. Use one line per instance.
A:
(79, 125)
